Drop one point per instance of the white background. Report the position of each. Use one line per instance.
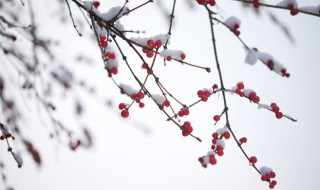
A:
(146, 152)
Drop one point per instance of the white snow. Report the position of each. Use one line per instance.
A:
(311, 9)
(101, 31)
(114, 13)
(158, 98)
(18, 158)
(143, 41)
(252, 57)
(174, 54)
(231, 21)
(112, 63)
(285, 3)
(127, 89)
(220, 131)
(264, 170)
(221, 143)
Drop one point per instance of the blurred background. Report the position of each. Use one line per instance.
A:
(145, 151)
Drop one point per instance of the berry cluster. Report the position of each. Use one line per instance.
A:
(204, 94)
(233, 24)
(169, 54)
(217, 147)
(186, 128)
(150, 46)
(274, 107)
(267, 175)
(241, 91)
(183, 112)
(103, 41)
(206, 2)
(5, 135)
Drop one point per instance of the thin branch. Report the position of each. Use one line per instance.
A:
(74, 25)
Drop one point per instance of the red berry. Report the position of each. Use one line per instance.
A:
(150, 54)
(215, 86)
(276, 109)
(166, 103)
(140, 95)
(219, 148)
(141, 105)
(236, 26)
(206, 93)
(215, 135)
(158, 43)
(256, 99)
(212, 160)
(287, 75)
(263, 178)
(216, 118)
(187, 123)
(271, 186)
(169, 58)
(236, 32)
(200, 93)
(102, 38)
(256, 4)
(237, 91)
(226, 135)
(252, 95)
(122, 106)
(270, 64)
(1, 137)
(114, 70)
(283, 71)
(220, 153)
(212, 2)
(180, 113)
(240, 85)
(253, 160)
(185, 133)
(8, 135)
(294, 12)
(243, 140)
(273, 182)
(96, 4)
(272, 174)
(185, 112)
(201, 2)
(241, 94)
(144, 66)
(189, 128)
(182, 56)
(112, 56)
(125, 113)
(144, 50)
(279, 115)
(103, 43)
(133, 95)
(150, 43)
(204, 98)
